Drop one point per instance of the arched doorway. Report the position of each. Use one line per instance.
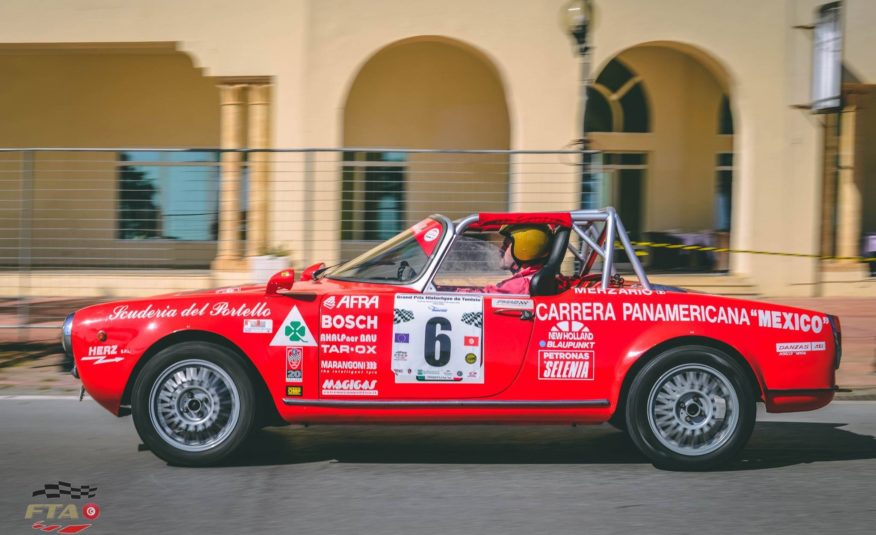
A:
(421, 93)
(661, 114)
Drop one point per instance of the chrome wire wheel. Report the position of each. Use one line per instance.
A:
(194, 405)
(693, 409)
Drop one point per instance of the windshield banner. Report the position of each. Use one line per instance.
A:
(427, 234)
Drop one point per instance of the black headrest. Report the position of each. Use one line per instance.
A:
(545, 281)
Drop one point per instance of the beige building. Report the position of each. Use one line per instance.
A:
(700, 109)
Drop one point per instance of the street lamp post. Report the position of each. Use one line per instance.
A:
(577, 18)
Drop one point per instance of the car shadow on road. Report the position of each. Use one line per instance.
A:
(773, 444)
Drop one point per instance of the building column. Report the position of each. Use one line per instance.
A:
(258, 117)
(228, 256)
(848, 195)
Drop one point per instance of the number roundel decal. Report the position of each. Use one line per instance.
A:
(438, 338)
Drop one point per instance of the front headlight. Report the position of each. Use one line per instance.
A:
(67, 343)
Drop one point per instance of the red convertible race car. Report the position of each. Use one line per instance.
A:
(512, 318)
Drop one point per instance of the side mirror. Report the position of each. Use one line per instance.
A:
(282, 280)
(308, 273)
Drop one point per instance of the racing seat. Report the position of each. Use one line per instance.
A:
(545, 281)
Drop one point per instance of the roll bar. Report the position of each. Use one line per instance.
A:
(598, 230)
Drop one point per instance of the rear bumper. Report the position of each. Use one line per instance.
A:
(798, 400)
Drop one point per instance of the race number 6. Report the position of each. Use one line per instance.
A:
(437, 350)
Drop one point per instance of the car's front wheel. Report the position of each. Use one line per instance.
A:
(193, 404)
(690, 408)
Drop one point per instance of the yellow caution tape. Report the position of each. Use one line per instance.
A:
(682, 247)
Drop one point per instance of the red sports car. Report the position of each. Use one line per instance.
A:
(512, 318)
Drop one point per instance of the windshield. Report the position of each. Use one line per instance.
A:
(400, 260)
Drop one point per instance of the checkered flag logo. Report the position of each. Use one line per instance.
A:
(61, 488)
(475, 319)
(401, 315)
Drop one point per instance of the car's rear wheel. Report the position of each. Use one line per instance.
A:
(690, 408)
(193, 404)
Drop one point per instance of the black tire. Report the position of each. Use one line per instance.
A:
(195, 422)
(690, 408)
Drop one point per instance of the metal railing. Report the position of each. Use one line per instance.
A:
(81, 225)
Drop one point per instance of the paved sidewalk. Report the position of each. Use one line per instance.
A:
(36, 368)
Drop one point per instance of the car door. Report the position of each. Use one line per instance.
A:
(404, 345)
(574, 347)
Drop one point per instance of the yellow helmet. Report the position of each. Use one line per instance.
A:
(528, 242)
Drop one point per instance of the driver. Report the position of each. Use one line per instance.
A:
(524, 252)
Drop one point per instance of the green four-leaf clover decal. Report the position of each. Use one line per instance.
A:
(296, 331)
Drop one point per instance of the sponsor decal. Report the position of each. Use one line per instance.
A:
(651, 312)
(228, 290)
(294, 369)
(401, 315)
(432, 376)
(657, 312)
(349, 365)
(349, 387)
(789, 321)
(431, 234)
(799, 348)
(102, 351)
(618, 291)
(568, 335)
(347, 349)
(565, 365)
(427, 233)
(293, 330)
(220, 309)
(124, 312)
(62, 517)
(349, 321)
(587, 311)
(102, 354)
(439, 338)
(352, 301)
(295, 391)
(258, 326)
(348, 338)
(514, 304)
(223, 309)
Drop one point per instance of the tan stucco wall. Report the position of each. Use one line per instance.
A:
(684, 100)
(313, 50)
(859, 39)
(76, 98)
(80, 99)
(435, 94)
(865, 163)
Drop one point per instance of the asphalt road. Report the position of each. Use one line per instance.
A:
(803, 473)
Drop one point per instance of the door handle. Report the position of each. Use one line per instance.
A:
(522, 314)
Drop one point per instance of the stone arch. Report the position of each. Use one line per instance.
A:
(445, 82)
(676, 179)
(424, 92)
